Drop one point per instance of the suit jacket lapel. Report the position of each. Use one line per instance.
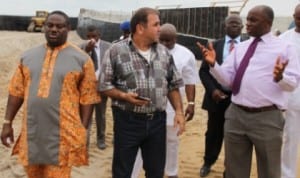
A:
(219, 50)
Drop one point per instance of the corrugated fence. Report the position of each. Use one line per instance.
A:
(206, 22)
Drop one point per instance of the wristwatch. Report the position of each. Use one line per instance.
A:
(6, 121)
(191, 103)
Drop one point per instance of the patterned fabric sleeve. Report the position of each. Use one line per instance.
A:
(16, 85)
(107, 72)
(87, 86)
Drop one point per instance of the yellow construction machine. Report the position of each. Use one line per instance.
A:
(37, 22)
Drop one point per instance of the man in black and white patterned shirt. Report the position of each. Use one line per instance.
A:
(140, 76)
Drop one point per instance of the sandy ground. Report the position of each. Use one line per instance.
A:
(192, 141)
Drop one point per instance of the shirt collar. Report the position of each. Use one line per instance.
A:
(132, 47)
(237, 39)
(58, 47)
(264, 38)
(97, 45)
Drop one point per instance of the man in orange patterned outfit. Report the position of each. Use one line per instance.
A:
(57, 84)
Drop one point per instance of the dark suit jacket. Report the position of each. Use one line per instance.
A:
(104, 45)
(209, 82)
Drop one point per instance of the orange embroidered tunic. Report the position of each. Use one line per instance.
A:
(54, 83)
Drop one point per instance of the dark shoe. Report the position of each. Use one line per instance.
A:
(173, 176)
(101, 145)
(204, 171)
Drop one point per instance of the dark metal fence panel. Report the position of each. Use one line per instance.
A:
(20, 23)
(202, 21)
(190, 41)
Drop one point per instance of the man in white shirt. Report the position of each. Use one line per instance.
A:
(96, 48)
(186, 65)
(291, 132)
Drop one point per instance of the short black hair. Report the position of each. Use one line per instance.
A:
(232, 16)
(60, 13)
(141, 16)
(92, 28)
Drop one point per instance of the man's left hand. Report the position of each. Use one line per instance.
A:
(279, 69)
(189, 112)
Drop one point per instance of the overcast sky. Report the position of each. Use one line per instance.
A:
(71, 7)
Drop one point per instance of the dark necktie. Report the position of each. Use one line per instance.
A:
(231, 45)
(94, 58)
(243, 65)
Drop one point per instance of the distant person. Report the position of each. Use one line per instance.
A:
(254, 118)
(217, 98)
(291, 132)
(96, 48)
(57, 85)
(139, 75)
(186, 64)
(125, 27)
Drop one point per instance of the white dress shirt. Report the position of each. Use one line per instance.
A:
(98, 52)
(226, 50)
(294, 38)
(185, 63)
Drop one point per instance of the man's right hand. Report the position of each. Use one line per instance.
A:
(218, 95)
(133, 99)
(209, 53)
(90, 45)
(7, 135)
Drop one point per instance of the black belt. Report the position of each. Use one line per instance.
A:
(146, 115)
(137, 115)
(260, 109)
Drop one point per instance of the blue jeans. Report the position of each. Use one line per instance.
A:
(133, 131)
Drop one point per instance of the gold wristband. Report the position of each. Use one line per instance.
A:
(191, 103)
(6, 121)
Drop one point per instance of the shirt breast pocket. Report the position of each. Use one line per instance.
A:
(128, 75)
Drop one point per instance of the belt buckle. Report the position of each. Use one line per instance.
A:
(150, 116)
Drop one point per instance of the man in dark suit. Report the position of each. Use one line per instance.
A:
(217, 98)
(96, 48)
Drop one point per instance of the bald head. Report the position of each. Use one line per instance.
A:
(168, 28)
(297, 8)
(168, 35)
(267, 11)
(297, 18)
(259, 20)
